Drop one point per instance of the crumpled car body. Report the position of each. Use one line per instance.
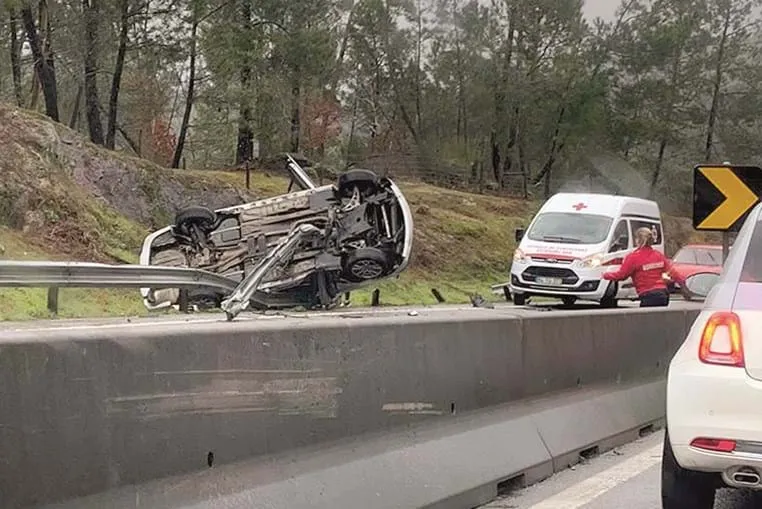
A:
(302, 249)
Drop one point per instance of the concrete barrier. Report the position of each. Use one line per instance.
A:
(88, 409)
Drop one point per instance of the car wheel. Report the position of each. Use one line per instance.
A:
(520, 299)
(569, 301)
(200, 216)
(609, 299)
(365, 180)
(365, 264)
(681, 488)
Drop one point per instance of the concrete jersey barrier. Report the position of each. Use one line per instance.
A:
(87, 409)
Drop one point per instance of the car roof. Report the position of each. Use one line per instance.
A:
(603, 204)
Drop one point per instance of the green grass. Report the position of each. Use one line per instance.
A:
(415, 289)
(31, 303)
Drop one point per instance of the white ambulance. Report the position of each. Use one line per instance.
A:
(573, 240)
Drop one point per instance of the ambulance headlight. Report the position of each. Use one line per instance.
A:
(591, 261)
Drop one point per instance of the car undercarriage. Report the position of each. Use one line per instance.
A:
(301, 249)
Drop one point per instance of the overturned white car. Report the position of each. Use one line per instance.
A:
(301, 249)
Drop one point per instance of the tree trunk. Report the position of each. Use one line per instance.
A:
(337, 71)
(418, 50)
(659, 164)
(501, 88)
(42, 64)
(15, 57)
(556, 145)
(521, 143)
(296, 97)
(462, 124)
(352, 127)
(116, 81)
(245, 150)
(245, 145)
(91, 11)
(188, 98)
(717, 86)
(675, 74)
(74, 118)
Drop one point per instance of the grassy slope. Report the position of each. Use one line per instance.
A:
(463, 242)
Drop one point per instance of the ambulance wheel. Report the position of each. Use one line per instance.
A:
(609, 299)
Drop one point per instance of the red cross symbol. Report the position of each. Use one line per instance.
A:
(579, 206)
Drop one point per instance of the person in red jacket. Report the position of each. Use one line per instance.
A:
(646, 267)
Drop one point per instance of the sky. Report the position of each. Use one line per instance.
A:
(600, 8)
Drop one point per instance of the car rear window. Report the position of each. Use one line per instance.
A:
(685, 255)
(709, 257)
(748, 293)
(751, 270)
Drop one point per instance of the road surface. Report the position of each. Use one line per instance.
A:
(626, 478)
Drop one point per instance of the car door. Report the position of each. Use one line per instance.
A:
(620, 246)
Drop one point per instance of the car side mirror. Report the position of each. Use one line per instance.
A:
(519, 234)
(700, 284)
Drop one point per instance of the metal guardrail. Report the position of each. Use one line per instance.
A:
(19, 274)
(55, 275)
(88, 275)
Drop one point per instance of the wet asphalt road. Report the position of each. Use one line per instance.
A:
(626, 478)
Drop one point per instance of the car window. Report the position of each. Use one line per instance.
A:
(709, 257)
(620, 232)
(751, 271)
(654, 226)
(686, 256)
(748, 292)
(570, 228)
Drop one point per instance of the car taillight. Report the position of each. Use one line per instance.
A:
(714, 444)
(721, 340)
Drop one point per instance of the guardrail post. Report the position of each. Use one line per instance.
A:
(53, 299)
(182, 301)
(437, 295)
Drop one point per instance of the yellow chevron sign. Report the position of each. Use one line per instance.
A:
(723, 195)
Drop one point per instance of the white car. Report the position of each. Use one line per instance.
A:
(304, 248)
(714, 383)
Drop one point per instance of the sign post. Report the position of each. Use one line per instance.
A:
(723, 195)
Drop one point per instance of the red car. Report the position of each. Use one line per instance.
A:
(695, 258)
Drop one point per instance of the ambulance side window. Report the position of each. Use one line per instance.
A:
(621, 239)
(651, 225)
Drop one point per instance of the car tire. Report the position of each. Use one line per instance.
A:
(365, 180)
(609, 299)
(681, 488)
(520, 299)
(365, 264)
(568, 301)
(203, 217)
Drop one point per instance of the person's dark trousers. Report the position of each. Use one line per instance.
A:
(656, 298)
